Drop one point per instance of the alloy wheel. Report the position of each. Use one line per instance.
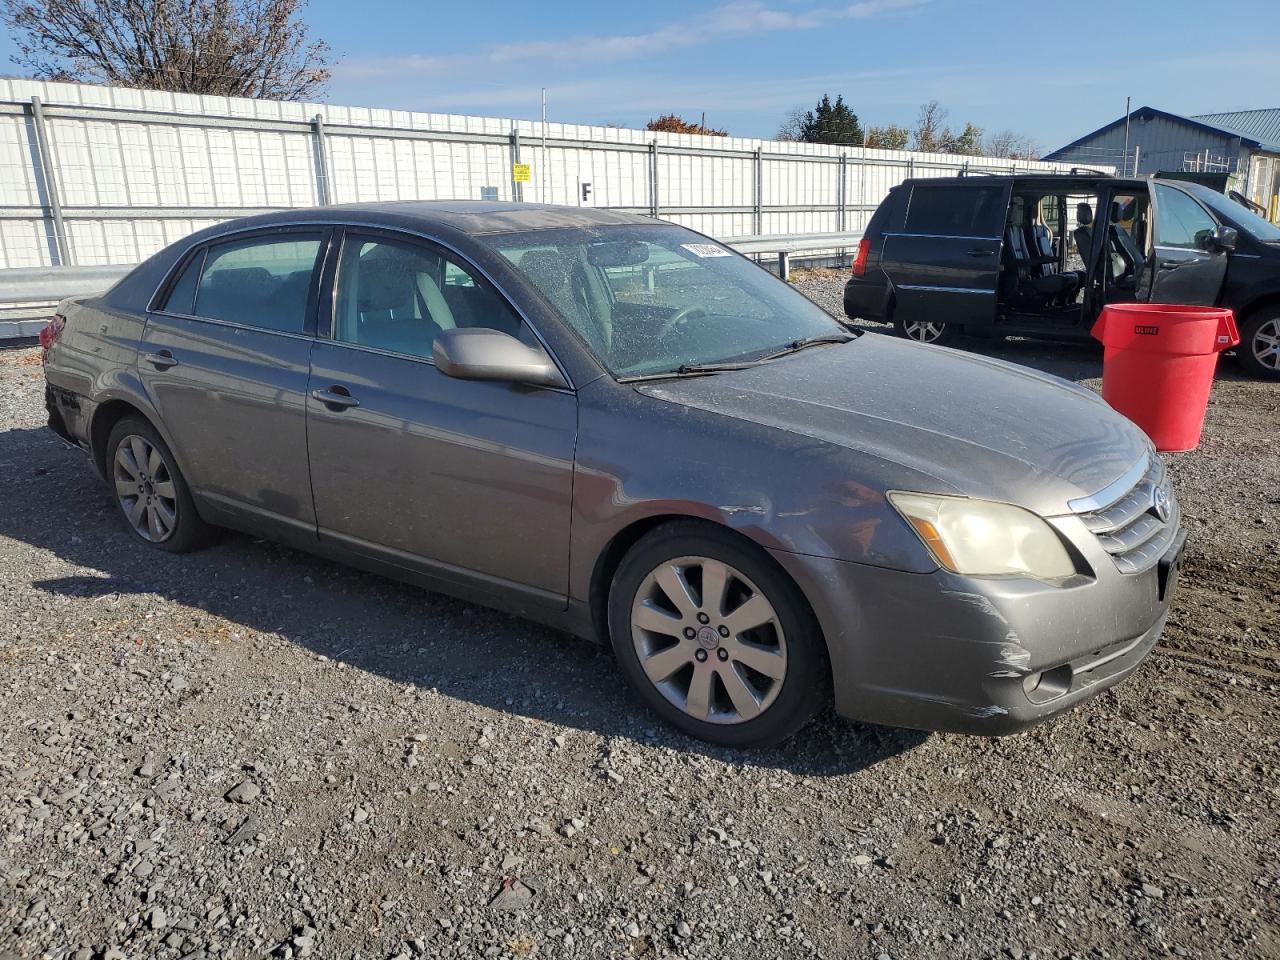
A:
(924, 331)
(144, 486)
(1266, 344)
(709, 640)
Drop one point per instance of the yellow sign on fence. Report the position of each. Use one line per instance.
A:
(521, 172)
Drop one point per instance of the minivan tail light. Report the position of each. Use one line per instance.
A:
(49, 335)
(860, 261)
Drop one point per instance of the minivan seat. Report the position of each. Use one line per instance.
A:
(1083, 233)
(1026, 266)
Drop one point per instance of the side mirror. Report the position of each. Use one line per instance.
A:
(1225, 238)
(479, 353)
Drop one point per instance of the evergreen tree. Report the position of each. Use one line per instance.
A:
(830, 123)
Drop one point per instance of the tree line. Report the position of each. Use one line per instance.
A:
(834, 122)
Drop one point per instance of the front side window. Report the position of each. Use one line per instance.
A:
(956, 211)
(647, 299)
(260, 282)
(1180, 221)
(398, 295)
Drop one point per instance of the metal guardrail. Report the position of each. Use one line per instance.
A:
(29, 295)
(786, 244)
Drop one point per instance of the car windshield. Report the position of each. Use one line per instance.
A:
(653, 298)
(1237, 213)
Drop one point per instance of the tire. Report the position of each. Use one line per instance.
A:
(1259, 350)
(730, 683)
(167, 518)
(937, 332)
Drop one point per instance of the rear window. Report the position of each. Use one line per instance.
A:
(951, 211)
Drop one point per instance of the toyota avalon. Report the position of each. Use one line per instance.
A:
(623, 428)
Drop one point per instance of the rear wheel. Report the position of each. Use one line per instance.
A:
(1259, 350)
(715, 638)
(937, 332)
(149, 489)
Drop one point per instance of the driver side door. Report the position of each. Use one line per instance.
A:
(467, 481)
(1188, 266)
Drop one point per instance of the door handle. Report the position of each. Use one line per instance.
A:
(979, 252)
(1171, 264)
(336, 398)
(161, 360)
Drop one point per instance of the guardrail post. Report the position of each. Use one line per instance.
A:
(759, 203)
(517, 189)
(784, 264)
(49, 178)
(322, 160)
(653, 179)
(840, 193)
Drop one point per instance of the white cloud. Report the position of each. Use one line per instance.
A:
(734, 19)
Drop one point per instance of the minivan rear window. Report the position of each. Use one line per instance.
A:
(951, 211)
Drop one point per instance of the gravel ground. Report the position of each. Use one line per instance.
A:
(248, 751)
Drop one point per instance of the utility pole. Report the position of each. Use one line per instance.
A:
(1124, 165)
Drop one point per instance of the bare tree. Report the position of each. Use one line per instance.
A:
(1012, 145)
(931, 128)
(239, 48)
(792, 128)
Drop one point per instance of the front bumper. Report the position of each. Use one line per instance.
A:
(942, 652)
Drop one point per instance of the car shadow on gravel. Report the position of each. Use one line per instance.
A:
(56, 503)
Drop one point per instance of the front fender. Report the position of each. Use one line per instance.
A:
(638, 459)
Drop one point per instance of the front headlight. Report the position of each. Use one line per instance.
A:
(981, 538)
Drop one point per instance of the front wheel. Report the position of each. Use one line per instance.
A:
(1259, 350)
(716, 638)
(937, 332)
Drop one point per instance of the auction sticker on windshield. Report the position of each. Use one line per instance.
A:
(705, 249)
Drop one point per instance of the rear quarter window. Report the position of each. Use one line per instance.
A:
(182, 295)
(955, 211)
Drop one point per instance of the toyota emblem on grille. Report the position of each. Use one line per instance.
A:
(1160, 502)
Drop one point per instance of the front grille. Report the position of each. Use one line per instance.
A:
(1130, 528)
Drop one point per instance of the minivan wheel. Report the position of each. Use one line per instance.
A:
(937, 332)
(1259, 350)
(715, 638)
(149, 489)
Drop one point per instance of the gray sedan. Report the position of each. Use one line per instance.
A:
(624, 429)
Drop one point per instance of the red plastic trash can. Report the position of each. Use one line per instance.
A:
(1158, 365)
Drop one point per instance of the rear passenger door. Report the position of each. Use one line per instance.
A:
(942, 253)
(464, 480)
(225, 358)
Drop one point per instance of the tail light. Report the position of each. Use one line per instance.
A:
(860, 261)
(49, 335)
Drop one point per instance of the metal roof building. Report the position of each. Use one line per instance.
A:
(1244, 144)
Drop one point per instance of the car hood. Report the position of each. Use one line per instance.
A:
(966, 424)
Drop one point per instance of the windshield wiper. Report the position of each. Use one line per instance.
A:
(688, 370)
(796, 345)
(706, 369)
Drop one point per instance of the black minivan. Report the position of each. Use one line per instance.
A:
(1041, 255)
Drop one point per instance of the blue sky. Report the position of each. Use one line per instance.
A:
(1054, 71)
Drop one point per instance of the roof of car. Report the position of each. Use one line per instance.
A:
(467, 216)
(1082, 179)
